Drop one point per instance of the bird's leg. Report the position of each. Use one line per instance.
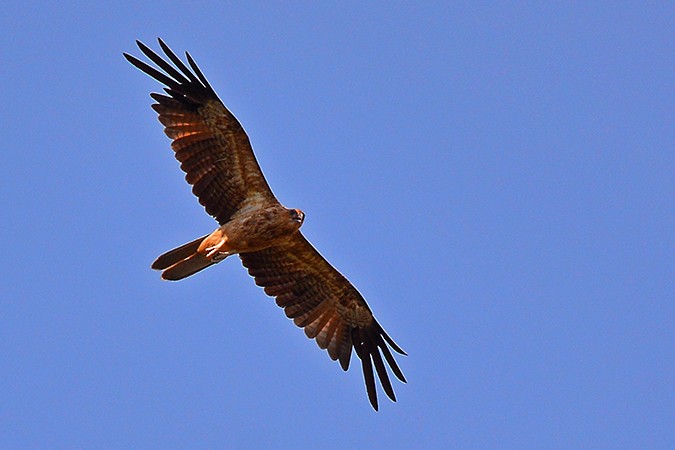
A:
(215, 245)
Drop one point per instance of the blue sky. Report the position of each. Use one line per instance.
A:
(495, 178)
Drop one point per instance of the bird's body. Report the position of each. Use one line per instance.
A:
(249, 230)
(217, 158)
(253, 230)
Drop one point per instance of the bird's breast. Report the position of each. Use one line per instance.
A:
(258, 230)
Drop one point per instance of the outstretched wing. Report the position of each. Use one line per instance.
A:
(330, 309)
(211, 145)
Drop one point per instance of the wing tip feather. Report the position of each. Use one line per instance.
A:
(369, 344)
(184, 84)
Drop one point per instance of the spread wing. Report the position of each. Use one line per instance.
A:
(211, 145)
(330, 309)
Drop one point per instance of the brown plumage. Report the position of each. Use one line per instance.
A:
(218, 161)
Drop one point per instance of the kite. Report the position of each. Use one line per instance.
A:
(216, 156)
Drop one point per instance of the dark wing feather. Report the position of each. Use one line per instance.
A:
(330, 309)
(211, 145)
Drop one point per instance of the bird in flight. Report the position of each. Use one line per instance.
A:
(216, 156)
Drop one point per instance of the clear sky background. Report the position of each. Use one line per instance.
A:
(496, 178)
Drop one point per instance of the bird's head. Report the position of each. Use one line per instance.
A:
(297, 216)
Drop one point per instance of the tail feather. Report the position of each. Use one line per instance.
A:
(183, 261)
(171, 257)
(188, 266)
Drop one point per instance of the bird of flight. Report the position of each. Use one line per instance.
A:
(216, 156)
